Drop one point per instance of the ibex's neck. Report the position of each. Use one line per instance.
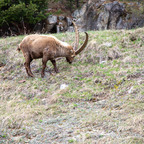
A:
(63, 51)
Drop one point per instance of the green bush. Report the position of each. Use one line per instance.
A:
(18, 12)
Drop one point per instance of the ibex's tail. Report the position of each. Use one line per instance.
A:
(18, 48)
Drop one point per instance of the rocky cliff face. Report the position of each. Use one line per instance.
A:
(109, 15)
(101, 15)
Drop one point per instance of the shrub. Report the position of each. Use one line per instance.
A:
(22, 13)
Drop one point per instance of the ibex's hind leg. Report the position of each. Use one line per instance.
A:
(44, 62)
(28, 59)
(54, 64)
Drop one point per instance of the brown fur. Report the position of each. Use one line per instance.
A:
(48, 48)
(45, 47)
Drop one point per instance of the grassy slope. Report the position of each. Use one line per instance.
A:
(104, 96)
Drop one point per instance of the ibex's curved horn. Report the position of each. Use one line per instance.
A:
(76, 36)
(83, 46)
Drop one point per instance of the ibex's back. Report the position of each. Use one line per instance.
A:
(36, 45)
(48, 48)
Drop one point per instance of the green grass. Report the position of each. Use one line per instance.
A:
(92, 78)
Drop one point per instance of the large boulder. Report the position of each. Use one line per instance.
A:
(56, 24)
(51, 23)
(112, 12)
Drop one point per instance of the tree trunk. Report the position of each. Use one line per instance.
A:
(77, 3)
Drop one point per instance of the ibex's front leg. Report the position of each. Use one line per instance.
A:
(44, 62)
(27, 65)
(54, 64)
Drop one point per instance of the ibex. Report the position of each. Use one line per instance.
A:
(48, 47)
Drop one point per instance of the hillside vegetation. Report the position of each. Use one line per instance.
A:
(102, 103)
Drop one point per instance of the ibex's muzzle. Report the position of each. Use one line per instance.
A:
(70, 62)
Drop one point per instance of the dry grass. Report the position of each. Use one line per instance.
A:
(105, 88)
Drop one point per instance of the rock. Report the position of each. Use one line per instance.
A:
(63, 86)
(78, 15)
(110, 17)
(49, 28)
(17, 138)
(56, 24)
(107, 44)
(51, 24)
(120, 24)
(116, 12)
(38, 27)
(103, 15)
(130, 90)
(61, 18)
(70, 29)
(58, 29)
(103, 20)
(69, 21)
(79, 12)
(52, 19)
(22, 81)
(113, 53)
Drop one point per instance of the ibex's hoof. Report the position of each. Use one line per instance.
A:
(31, 75)
(57, 71)
(42, 75)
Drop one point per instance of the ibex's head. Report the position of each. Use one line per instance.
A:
(71, 56)
(75, 51)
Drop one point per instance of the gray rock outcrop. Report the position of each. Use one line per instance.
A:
(56, 24)
(103, 15)
(99, 15)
